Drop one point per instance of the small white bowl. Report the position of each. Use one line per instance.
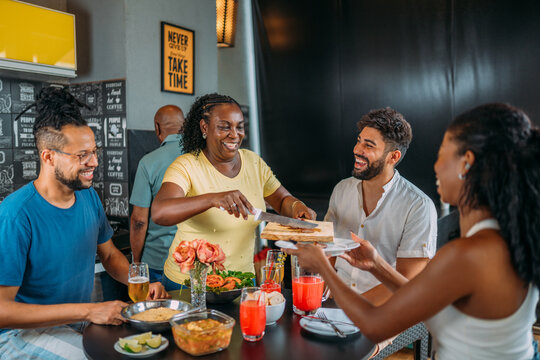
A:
(274, 312)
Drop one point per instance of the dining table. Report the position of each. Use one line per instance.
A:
(286, 339)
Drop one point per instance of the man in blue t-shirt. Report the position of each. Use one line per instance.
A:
(50, 231)
(150, 242)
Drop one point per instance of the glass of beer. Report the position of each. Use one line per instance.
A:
(138, 281)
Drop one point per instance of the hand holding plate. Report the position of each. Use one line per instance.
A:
(363, 257)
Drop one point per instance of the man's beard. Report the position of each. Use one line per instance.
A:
(74, 184)
(371, 170)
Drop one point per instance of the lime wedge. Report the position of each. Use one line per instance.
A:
(122, 342)
(133, 347)
(154, 342)
(143, 337)
(130, 345)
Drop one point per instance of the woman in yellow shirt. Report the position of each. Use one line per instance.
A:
(215, 173)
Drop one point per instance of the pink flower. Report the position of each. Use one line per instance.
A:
(187, 252)
(184, 255)
(210, 254)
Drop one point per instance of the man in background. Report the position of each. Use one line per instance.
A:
(381, 206)
(150, 242)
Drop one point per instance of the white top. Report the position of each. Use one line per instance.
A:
(460, 336)
(403, 224)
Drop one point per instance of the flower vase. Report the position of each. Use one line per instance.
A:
(197, 277)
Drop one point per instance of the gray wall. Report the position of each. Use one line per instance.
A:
(232, 63)
(143, 57)
(101, 39)
(121, 39)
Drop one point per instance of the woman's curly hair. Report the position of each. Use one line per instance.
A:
(192, 140)
(505, 177)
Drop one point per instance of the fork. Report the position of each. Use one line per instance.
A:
(338, 332)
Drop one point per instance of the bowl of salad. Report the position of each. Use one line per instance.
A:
(225, 286)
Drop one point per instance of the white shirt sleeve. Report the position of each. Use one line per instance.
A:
(420, 232)
(331, 213)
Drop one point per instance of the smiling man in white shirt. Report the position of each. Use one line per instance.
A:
(381, 206)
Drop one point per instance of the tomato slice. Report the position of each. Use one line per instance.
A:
(231, 281)
(232, 278)
(229, 285)
(214, 281)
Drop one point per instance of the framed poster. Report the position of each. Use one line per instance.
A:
(177, 59)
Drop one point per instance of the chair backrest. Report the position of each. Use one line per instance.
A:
(447, 228)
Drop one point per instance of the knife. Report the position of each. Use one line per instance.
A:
(283, 220)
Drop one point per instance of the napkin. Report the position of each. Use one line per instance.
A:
(331, 314)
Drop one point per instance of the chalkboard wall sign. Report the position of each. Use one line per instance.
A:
(116, 199)
(107, 118)
(91, 94)
(96, 124)
(115, 132)
(23, 131)
(7, 177)
(26, 163)
(114, 95)
(6, 131)
(5, 96)
(19, 160)
(116, 165)
(23, 93)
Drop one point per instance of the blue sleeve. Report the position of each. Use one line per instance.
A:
(15, 240)
(141, 194)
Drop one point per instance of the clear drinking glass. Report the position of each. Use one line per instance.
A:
(271, 276)
(252, 313)
(308, 289)
(276, 258)
(138, 281)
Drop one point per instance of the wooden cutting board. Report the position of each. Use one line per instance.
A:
(274, 231)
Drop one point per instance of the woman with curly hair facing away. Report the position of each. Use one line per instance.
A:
(214, 174)
(479, 293)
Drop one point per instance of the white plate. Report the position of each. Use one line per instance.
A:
(338, 247)
(144, 353)
(321, 328)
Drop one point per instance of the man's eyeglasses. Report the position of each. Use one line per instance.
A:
(84, 158)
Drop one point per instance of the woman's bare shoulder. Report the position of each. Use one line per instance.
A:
(485, 247)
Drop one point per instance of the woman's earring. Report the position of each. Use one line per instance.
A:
(204, 136)
(462, 176)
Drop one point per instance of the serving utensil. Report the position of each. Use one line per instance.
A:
(283, 220)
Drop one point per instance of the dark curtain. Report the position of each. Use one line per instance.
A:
(322, 65)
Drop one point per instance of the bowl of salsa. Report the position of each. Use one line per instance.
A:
(202, 332)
